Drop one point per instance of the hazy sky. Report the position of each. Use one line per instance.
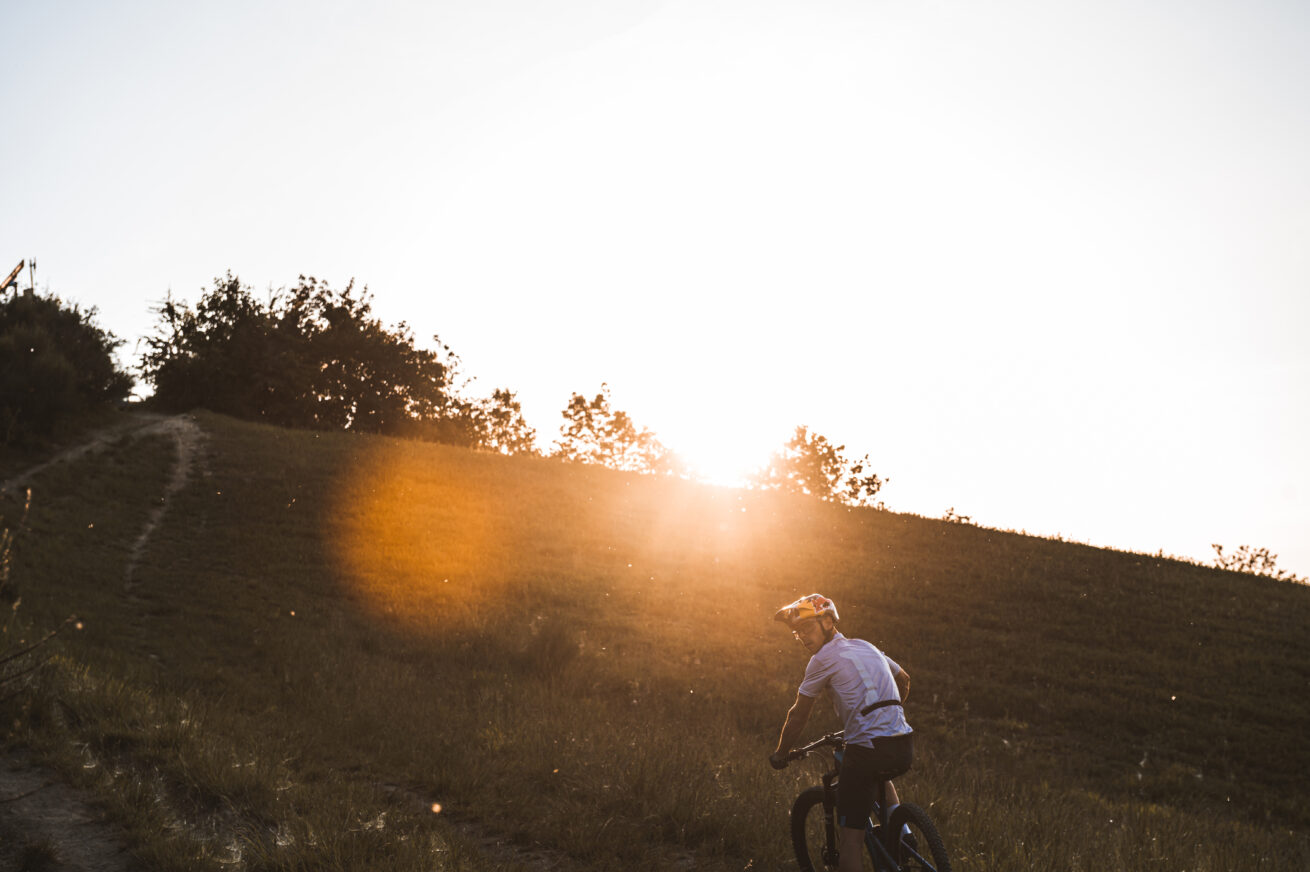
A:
(1046, 262)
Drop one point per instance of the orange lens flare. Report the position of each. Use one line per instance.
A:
(412, 531)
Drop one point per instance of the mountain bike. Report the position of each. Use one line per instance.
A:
(907, 839)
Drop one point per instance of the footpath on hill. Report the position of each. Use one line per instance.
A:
(46, 823)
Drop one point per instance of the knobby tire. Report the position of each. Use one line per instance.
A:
(930, 854)
(809, 851)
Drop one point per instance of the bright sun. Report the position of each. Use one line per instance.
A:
(718, 458)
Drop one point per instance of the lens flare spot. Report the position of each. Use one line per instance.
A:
(408, 518)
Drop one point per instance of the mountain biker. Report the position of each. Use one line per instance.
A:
(867, 688)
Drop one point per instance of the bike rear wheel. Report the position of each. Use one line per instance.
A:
(809, 840)
(922, 849)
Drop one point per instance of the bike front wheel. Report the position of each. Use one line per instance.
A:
(919, 847)
(809, 835)
(807, 831)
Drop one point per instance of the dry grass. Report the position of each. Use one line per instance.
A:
(583, 661)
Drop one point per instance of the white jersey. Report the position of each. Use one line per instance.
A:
(857, 674)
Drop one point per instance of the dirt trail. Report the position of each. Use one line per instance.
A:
(41, 813)
(187, 437)
(99, 440)
(44, 821)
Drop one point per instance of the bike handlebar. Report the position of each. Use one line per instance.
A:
(836, 740)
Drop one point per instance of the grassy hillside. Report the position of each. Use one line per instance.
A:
(327, 634)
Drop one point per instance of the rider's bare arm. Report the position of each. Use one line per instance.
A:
(903, 683)
(797, 716)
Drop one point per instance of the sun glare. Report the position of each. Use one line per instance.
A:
(720, 457)
(718, 463)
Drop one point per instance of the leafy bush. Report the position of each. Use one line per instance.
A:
(316, 357)
(1253, 561)
(54, 362)
(36, 384)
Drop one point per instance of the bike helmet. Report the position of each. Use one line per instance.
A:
(812, 606)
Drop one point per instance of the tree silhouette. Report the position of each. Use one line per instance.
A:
(595, 432)
(501, 426)
(810, 464)
(308, 357)
(1253, 561)
(54, 362)
(227, 354)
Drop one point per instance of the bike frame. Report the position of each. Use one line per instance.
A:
(874, 829)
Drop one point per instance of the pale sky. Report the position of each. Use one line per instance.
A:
(1045, 262)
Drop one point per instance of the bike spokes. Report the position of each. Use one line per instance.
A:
(918, 846)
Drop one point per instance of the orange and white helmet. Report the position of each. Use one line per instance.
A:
(814, 605)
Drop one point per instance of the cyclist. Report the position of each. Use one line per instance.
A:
(867, 688)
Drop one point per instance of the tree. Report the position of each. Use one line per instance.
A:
(224, 355)
(594, 432)
(55, 362)
(501, 426)
(363, 375)
(308, 357)
(1253, 562)
(810, 464)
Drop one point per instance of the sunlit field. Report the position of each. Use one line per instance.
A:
(350, 652)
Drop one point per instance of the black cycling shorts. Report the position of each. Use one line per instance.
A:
(863, 769)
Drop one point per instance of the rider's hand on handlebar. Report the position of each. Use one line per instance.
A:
(778, 760)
